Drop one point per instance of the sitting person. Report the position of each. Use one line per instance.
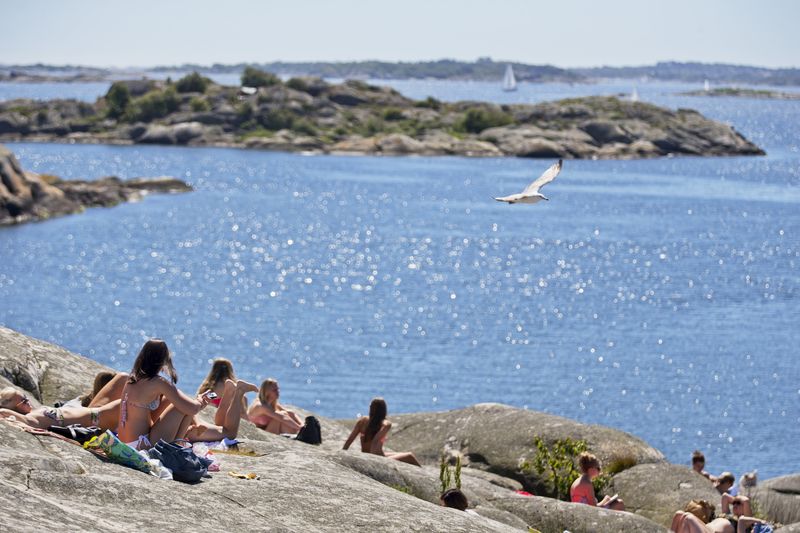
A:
(221, 371)
(111, 391)
(582, 490)
(271, 416)
(373, 430)
(142, 395)
(725, 483)
(17, 405)
(699, 517)
(699, 463)
(229, 414)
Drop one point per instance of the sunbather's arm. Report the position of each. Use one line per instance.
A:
(353, 434)
(376, 446)
(745, 522)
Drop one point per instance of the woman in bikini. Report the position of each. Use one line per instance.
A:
(373, 430)
(17, 405)
(582, 490)
(141, 422)
(271, 416)
(230, 411)
(221, 372)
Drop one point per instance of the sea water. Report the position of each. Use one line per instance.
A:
(659, 297)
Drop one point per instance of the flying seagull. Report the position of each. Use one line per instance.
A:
(531, 194)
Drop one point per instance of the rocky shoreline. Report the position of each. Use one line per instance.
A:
(47, 483)
(27, 196)
(312, 116)
(745, 93)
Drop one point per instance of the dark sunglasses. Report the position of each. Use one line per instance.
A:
(24, 399)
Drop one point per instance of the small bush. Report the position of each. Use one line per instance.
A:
(118, 98)
(392, 113)
(277, 119)
(478, 119)
(430, 103)
(557, 464)
(193, 83)
(253, 77)
(153, 105)
(298, 84)
(303, 126)
(199, 104)
(449, 478)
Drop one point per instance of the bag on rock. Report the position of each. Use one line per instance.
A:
(76, 432)
(184, 464)
(117, 451)
(311, 432)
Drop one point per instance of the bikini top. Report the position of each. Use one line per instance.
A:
(123, 408)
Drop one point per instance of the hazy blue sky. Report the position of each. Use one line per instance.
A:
(565, 33)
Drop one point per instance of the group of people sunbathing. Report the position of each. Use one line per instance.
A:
(146, 405)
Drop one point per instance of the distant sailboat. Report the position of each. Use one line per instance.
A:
(509, 82)
(706, 86)
(635, 95)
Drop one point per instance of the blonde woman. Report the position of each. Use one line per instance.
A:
(582, 490)
(271, 416)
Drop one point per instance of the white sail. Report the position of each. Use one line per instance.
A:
(509, 82)
(706, 86)
(635, 95)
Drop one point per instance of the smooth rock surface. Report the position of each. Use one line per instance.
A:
(499, 438)
(779, 498)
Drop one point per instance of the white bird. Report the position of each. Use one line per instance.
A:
(531, 194)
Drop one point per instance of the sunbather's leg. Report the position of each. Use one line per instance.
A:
(406, 457)
(227, 397)
(170, 426)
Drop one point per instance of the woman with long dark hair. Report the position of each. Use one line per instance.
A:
(141, 422)
(373, 430)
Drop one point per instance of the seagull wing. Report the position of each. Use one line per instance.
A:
(548, 176)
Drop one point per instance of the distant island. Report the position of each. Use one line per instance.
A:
(745, 93)
(484, 69)
(307, 114)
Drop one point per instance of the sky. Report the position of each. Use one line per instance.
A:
(564, 33)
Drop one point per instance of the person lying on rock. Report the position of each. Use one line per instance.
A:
(15, 404)
(143, 420)
(699, 517)
(271, 416)
(221, 371)
(373, 430)
(100, 381)
(582, 490)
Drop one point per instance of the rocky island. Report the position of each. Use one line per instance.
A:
(746, 93)
(27, 196)
(46, 483)
(310, 115)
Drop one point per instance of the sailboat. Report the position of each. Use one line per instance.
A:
(706, 86)
(635, 95)
(509, 82)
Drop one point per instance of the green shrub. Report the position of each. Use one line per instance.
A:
(118, 98)
(302, 125)
(478, 119)
(430, 102)
(153, 105)
(277, 119)
(557, 464)
(392, 113)
(253, 77)
(298, 84)
(193, 83)
(199, 104)
(449, 478)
